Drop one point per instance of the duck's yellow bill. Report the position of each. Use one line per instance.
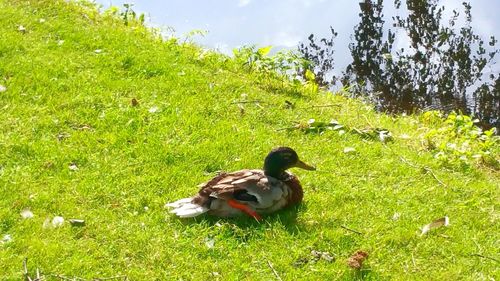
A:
(304, 166)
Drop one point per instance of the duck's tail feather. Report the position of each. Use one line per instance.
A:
(184, 208)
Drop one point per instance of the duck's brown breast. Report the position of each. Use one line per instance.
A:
(296, 190)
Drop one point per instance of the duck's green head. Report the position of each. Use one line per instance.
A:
(281, 159)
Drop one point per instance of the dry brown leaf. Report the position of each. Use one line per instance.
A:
(357, 259)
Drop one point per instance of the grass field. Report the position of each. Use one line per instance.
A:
(74, 144)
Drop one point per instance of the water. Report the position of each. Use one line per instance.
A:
(284, 24)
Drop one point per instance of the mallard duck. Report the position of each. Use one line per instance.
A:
(251, 192)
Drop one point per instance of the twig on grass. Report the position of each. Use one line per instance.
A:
(109, 278)
(25, 272)
(485, 257)
(368, 121)
(247, 101)
(425, 168)
(413, 260)
(274, 271)
(351, 230)
(321, 105)
(408, 162)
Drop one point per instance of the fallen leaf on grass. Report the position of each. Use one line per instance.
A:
(62, 135)
(153, 109)
(6, 239)
(82, 127)
(26, 214)
(300, 262)
(356, 260)
(384, 136)
(404, 136)
(349, 149)
(322, 255)
(314, 257)
(444, 221)
(77, 222)
(209, 242)
(85, 127)
(396, 216)
(289, 105)
(73, 167)
(57, 221)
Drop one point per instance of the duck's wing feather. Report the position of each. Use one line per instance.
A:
(250, 186)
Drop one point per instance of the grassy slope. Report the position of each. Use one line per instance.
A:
(129, 158)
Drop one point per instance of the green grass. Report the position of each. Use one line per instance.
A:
(66, 103)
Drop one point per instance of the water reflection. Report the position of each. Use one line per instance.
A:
(443, 67)
(434, 55)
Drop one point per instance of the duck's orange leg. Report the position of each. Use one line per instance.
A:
(244, 208)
